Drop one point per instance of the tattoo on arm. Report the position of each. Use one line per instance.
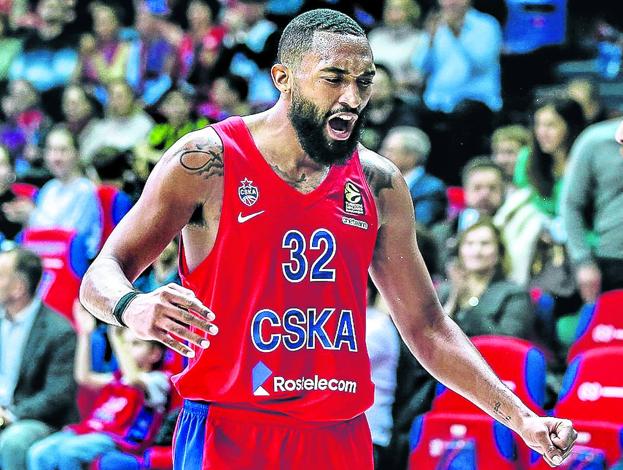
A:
(204, 159)
(497, 410)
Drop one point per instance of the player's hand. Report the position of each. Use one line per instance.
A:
(553, 438)
(167, 315)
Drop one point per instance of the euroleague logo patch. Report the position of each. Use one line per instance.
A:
(353, 201)
(248, 193)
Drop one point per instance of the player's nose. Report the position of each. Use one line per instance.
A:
(351, 96)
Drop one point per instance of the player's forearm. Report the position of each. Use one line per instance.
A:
(445, 351)
(102, 287)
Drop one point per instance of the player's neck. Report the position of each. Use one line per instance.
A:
(276, 139)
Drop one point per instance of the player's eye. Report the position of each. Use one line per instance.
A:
(333, 80)
(365, 83)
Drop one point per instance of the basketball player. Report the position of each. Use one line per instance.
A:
(281, 214)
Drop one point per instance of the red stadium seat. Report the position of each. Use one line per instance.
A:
(519, 364)
(438, 439)
(592, 397)
(114, 204)
(64, 258)
(601, 325)
(454, 420)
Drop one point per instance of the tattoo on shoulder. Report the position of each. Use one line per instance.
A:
(203, 157)
(379, 172)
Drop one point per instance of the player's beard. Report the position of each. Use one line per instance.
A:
(310, 124)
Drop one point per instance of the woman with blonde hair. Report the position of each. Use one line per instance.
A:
(478, 295)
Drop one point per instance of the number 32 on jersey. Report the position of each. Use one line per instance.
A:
(321, 248)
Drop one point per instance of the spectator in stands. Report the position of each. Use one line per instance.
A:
(250, 47)
(383, 345)
(8, 229)
(162, 272)
(528, 217)
(408, 148)
(227, 97)
(586, 93)
(80, 111)
(9, 47)
(478, 295)
(103, 57)
(399, 26)
(68, 200)
(483, 184)
(199, 47)
(138, 384)
(177, 110)
(506, 144)
(37, 390)
(152, 57)
(124, 126)
(592, 209)
(385, 110)
(557, 123)
(49, 57)
(25, 122)
(159, 455)
(461, 62)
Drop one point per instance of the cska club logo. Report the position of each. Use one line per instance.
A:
(353, 202)
(248, 193)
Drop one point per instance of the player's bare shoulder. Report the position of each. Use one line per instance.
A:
(383, 177)
(192, 167)
(379, 171)
(201, 153)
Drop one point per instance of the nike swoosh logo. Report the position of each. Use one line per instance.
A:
(243, 218)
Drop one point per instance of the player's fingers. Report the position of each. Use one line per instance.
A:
(173, 344)
(186, 300)
(186, 317)
(183, 333)
(564, 435)
(553, 455)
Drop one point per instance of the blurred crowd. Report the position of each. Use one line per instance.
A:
(519, 209)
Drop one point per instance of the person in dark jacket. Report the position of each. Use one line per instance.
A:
(478, 296)
(37, 346)
(408, 148)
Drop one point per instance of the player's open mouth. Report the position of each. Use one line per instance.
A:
(340, 125)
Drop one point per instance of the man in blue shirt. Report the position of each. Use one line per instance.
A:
(461, 63)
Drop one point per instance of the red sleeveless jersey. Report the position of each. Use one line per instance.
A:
(286, 279)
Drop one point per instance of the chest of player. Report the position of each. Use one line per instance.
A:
(305, 236)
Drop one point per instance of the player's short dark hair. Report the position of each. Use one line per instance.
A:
(480, 163)
(29, 266)
(297, 37)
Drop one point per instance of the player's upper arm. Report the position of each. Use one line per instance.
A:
(398, 269)
(181, 183)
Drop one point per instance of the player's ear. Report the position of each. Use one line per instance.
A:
(282, 78)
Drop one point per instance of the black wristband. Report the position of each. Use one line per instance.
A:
(122, 304)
